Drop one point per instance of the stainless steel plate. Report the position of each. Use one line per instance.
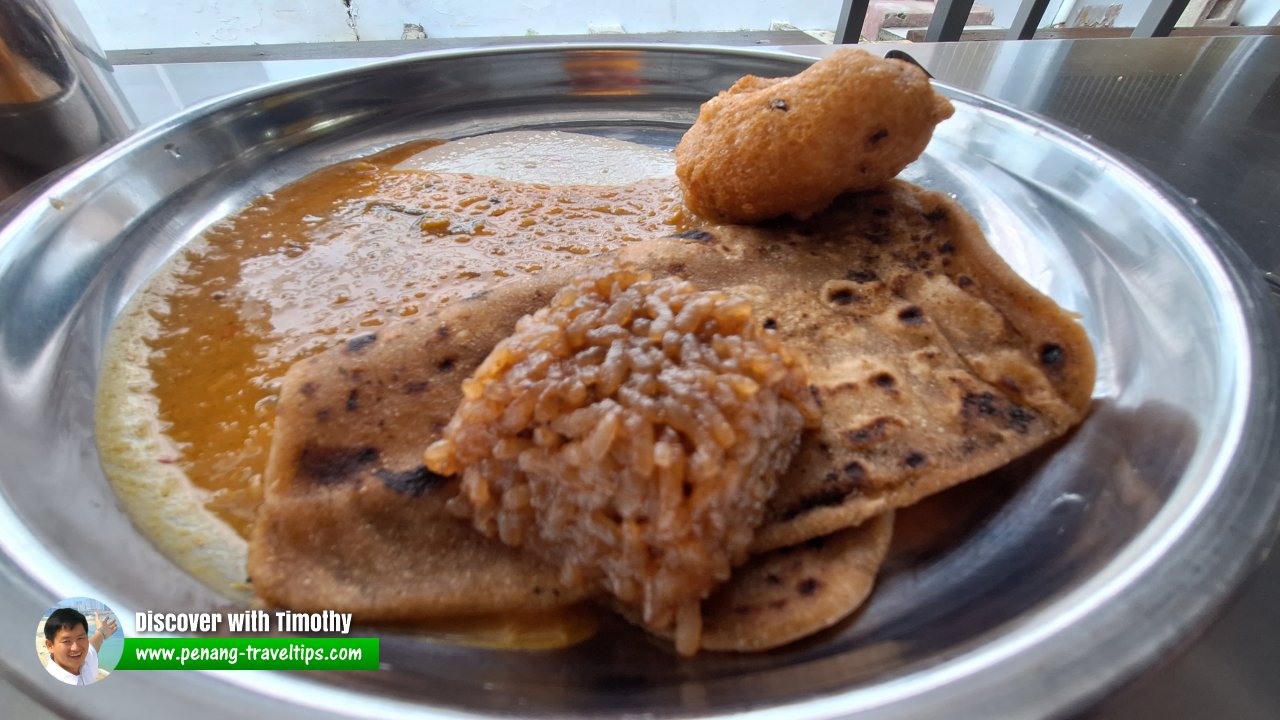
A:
(1102, 553)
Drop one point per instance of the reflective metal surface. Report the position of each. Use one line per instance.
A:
(1093, 558)
(1203, 114)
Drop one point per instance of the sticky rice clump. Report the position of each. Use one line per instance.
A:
(630, 432)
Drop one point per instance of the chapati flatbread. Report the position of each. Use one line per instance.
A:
(934, 362)
(351, 519)
(792, 592)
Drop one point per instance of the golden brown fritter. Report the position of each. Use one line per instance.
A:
(632, 431)
(765, 148)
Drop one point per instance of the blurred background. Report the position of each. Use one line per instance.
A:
(135, 24)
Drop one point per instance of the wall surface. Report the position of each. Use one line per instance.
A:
(1259, 12)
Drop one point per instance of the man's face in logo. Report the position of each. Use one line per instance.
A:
(69, 648)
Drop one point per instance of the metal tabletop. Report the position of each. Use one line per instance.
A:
(1201, 113)
(1204, 115)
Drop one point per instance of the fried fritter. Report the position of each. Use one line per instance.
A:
(771, 147)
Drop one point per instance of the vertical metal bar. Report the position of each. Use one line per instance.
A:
(1025, 23)
(949, 17)
(1159, 18)
(853, 13)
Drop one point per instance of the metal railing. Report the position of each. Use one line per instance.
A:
(949, 18)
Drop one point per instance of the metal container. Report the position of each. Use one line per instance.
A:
(1100, 555)
(58, 99)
